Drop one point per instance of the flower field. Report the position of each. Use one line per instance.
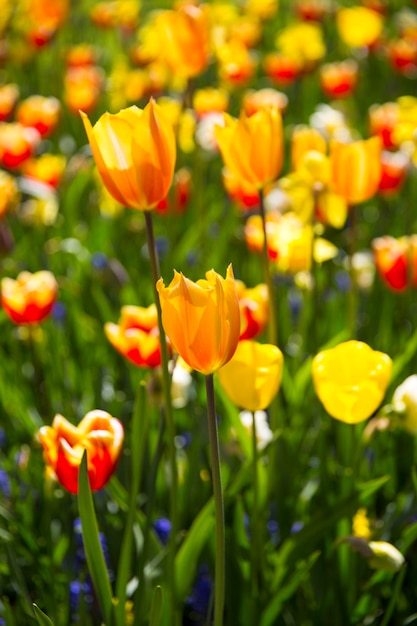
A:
(208, 356)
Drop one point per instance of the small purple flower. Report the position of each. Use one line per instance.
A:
(162, 527)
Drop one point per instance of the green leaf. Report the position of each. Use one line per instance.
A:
(274, 608)
(156, 609)
(92, 546)
(188, 554)
(43, 620)
(406, 355)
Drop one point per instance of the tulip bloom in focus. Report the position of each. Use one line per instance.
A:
(356, 169)
(252, 377)
(100, 434)
(393, 258)
(202, 319)
(350, 380)
(252, 147)
(136, 336)
(29, 298)
(134, 151)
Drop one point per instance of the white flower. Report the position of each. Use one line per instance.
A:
(263, 432)
(404, 401)
(180, 386)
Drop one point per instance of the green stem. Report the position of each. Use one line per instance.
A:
(219, 582)
(353, 292)
(272, 319)
(169, 418)
(255, 543)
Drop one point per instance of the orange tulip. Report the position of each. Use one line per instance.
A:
(82, 87)
(338, 80)
(394, 171)
(356, 169)
(184, 39)
(136, 336)
(202, 319)
(282, 68)
(254, 309)
(40, 113)
(396, 261)
(9, 192)
(134, 151)
(253, 101)
(252, 148)
(48, 169)
(100, 434)
(29, 298)
(382, 121)
(17, 144)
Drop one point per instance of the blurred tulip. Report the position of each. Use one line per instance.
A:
(356, 169)
(394, 171)
(81, 55)
(98, 433)
(184, 39)
(17, 144)
(245, 195)
(338, 80)
(9, 95)
(254, 309)
(201, 319)
(358, 26)
(350, 380)
(281, 68)
(396, 261)
(136, 336)
(210, 100)
(82, 87)
(177, 202)
(252, 377)
(262, 9)
(404, 403)
(253, 101)
(303, 140)
(383, 120)
(134, 151)
(40, 113)
(29, 299)
(43, 18)
(312, 10)
(385, 556)
(303, 42)
(402, 54)
(237, 63)
(47, 168)
(252, 148)
(9, 193)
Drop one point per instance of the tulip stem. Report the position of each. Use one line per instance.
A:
(353, 292)
(169, 419)
(254, 527)
(272, 320)
(219, 582)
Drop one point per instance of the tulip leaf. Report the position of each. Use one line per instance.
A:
(291, 585)
(405, 357)
(43, 620)
(92, 546)
(156, 608)
(186, 560)
(304, 541)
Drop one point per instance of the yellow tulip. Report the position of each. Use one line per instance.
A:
(358, 26)
(356, 169)
(350, 380)
(135, 152)
(253, 376)
(252, 147)
(202, 319)
(303, 140)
